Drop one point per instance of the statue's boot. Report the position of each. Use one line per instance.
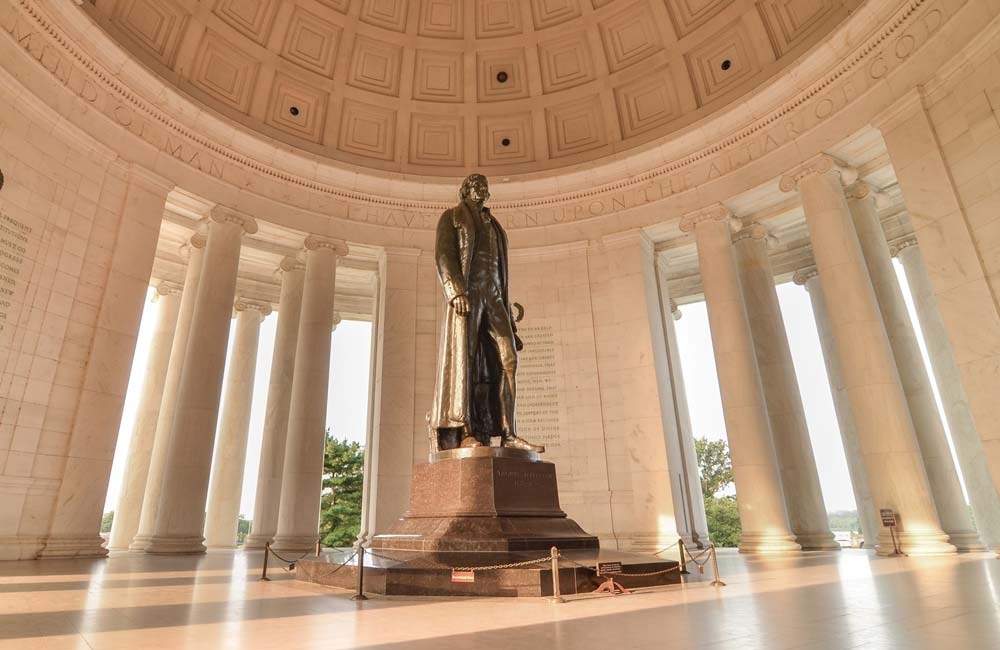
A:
(515, 442)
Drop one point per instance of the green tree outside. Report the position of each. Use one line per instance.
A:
(106, 521)
(722, 511)
(343, 478)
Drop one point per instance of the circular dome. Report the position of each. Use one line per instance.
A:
(436, 87)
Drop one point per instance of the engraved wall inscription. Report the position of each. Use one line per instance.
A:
(539, 384)
(14, 242)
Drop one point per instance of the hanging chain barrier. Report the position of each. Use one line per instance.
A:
(290, 564)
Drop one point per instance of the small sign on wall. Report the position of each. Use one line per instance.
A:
(463, 576)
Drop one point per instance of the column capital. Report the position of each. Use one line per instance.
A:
(224, 214)
(899, 245)
(803, 275)
(755, 231)
(196, 240)
(860, 190)
(717, 212)
(675, 310)
(316, 242)
(819, 164)
(289, 263)
(261, 309)
(167, 288)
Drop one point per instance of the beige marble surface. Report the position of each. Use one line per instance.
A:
(845, 601)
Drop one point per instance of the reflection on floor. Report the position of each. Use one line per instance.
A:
(817, 601)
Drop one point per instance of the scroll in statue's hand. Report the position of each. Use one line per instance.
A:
(461, 305)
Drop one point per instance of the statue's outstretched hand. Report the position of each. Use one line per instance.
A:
(461, 305)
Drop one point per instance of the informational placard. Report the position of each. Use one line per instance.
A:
(609, 568)
(463, 576)
(888, 518)
(539, 383)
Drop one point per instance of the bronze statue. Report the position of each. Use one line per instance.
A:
(475, 387)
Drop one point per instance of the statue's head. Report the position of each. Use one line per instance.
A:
(475, 187)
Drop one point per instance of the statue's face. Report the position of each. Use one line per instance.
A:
(479, 189)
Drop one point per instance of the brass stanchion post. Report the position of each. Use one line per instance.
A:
(360, 593)
(715, 569)
(680, 545)
(319, 546)
(263, 571)
(556, 596)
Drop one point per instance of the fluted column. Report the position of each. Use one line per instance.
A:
(126, 522)
(941, 472)
(796, 462)
(682, 461)
(302, 476)
(180, 520)
(195, 251)
(226, 487)
(755, 468)
(279, 397)
(885, 432)
(968, 446)
(868, 515)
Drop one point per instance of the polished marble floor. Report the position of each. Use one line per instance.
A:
(831, 601)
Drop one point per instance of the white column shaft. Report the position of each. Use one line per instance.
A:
(689, 503)
(941, 473)
(165, 417)
(888, 442)
(279, 397)
(799, 477)
(140, 449)
(868, 516)
(180, 520)
(226, 485)
(302, 478)
(968, 446)
(755, 469)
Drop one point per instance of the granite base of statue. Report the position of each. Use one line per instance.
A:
(483, 507)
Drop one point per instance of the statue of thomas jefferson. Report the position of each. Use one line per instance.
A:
(475, 385)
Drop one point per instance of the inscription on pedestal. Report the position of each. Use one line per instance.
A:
(539, 384)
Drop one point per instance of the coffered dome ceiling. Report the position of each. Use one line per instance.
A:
(438, 87)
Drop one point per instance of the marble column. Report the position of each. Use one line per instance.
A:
(868, 515)
(763, 516)
(180, 520)
(941, 472)
(279, 397)
(874, 391)
(689, 503)
(194, 250)
(796, 462)
(391, 429)
(167, 298)
(968, 446)
(226, 486)
(302, 476)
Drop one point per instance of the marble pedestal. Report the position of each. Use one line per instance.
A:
(487, 499)
(482, 507)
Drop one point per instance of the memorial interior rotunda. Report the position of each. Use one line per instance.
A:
(290, 159)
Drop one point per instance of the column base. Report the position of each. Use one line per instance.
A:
(72, 546)
(822, 541)
(966, 541)
(140, 542)
(257, 542)
(768, 544)
(914, 543)
(175, 545)
(294, 543)
(20, 547)
(221, 547)
(650, 543)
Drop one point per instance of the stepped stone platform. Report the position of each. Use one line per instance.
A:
(481, 507)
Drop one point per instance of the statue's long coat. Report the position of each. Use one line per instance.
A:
(461, 389)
